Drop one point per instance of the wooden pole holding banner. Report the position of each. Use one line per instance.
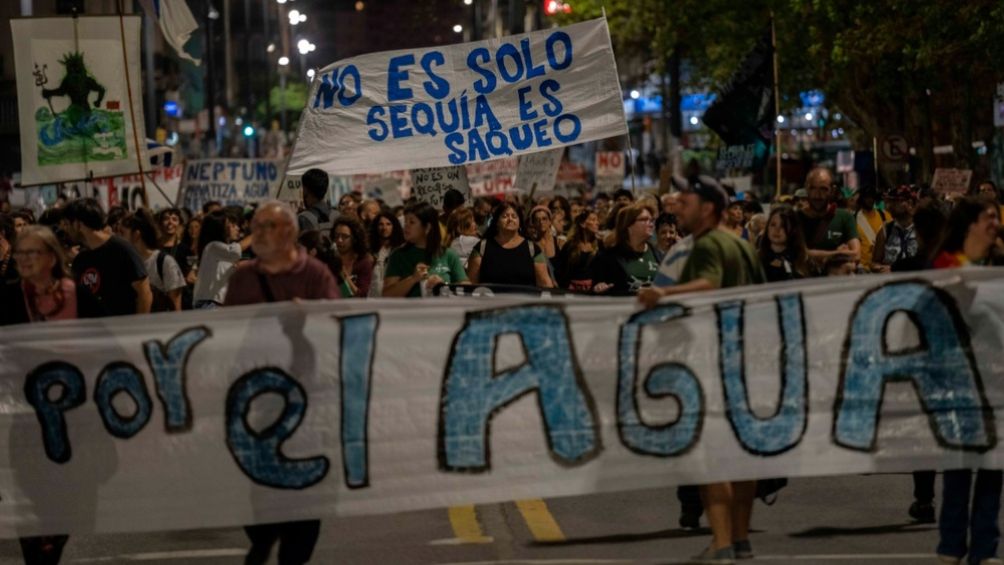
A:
(777, 111)
(132, 112)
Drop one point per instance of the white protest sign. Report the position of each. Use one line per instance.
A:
(537, 172)
(492, 177)
(951, 180)
(386, 189)
(292, 190)
(76, 114)
(395, 405)
(232, 182)
(610, 169)
(741, 184)
(430, 185)
(461, 104)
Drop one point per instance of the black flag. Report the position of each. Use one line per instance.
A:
(743, 112)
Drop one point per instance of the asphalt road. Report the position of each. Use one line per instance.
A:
(855, 519)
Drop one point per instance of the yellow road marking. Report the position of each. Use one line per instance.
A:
(465, 524)
(540, 521)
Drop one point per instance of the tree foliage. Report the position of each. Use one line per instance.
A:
(923, 68)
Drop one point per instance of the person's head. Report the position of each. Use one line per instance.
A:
(349, 203)
(635, 224)
(368, 211)
(734, 213)
(214, 228)
(988, 189)
(452, 200)
(701, 206)
(818, 188)
(539, 223)
(385, 230)
(211, 206)
(587, 226)
(193, 227)
(482, 209)
(38, 254)
(319, 246)
(840, 266)
(273, 230)
(974, 223)
(901, 202)
(349, 236)
(784, 232)
(21, 220)
(505, 220)
(81, 216)
(602, 204)
(561, 211)
(670, 203)
(751, 207)
(8, 232)
(141, 229)
(170, 222)
(315, 186)
(421, 229)
(576, 207)
(800, 200)
(623, 196)
(666, 231)
(929, 226)
(114, 220)
(461, 222)
(867, 198)
(757, 224)
(234, 218)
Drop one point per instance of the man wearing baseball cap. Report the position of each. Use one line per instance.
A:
(719, 259)
(896, 240)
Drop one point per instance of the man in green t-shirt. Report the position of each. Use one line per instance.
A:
(719, 259)
(829, 231)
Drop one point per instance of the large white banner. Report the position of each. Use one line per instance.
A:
(285, 411)
(463, 103)
(73, 99)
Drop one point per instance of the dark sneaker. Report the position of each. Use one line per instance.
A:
(723, 556)
(922, 512)
(743, 549)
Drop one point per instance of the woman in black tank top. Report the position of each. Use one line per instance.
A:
(504, 256)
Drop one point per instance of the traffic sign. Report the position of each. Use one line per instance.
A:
(895, 148)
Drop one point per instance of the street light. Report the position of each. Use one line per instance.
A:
(458, 28)
(280, 1)
(311, 73)
(296, 17)
(468, 2)
(304, 46)
(283, 61)
(635, 95)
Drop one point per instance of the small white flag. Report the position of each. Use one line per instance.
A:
(176, 22)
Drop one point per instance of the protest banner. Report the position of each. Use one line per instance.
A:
(232, 182)
(387, 189)
(951, 180)
(536, 172)
(430, 185)
(78, 119)
(572, 179)
(492, 177)
(461, 104)
(610, 168)
(391, 405)
(162, 187)
(291, 190)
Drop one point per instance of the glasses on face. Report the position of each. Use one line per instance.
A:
(342, 236)
(29, 253)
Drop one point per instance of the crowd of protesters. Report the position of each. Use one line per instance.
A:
(79, 261)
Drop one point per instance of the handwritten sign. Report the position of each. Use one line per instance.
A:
(232, 182)
(610, 168)
(461, 104)
(492, 177)
(951, 180)
(430, 185)
(537, 172)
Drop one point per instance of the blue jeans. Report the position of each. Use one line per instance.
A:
(956, 521)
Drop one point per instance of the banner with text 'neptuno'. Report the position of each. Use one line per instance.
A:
(462, 104)
(79, 117)
(289, 411)
(231, 182)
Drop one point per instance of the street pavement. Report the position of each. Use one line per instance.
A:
(851, 519)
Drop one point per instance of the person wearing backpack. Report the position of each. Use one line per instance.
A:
(505, 256)
(318, 214)
(166, 279)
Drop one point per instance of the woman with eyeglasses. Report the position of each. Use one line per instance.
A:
(349, 238)
(629, 262)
